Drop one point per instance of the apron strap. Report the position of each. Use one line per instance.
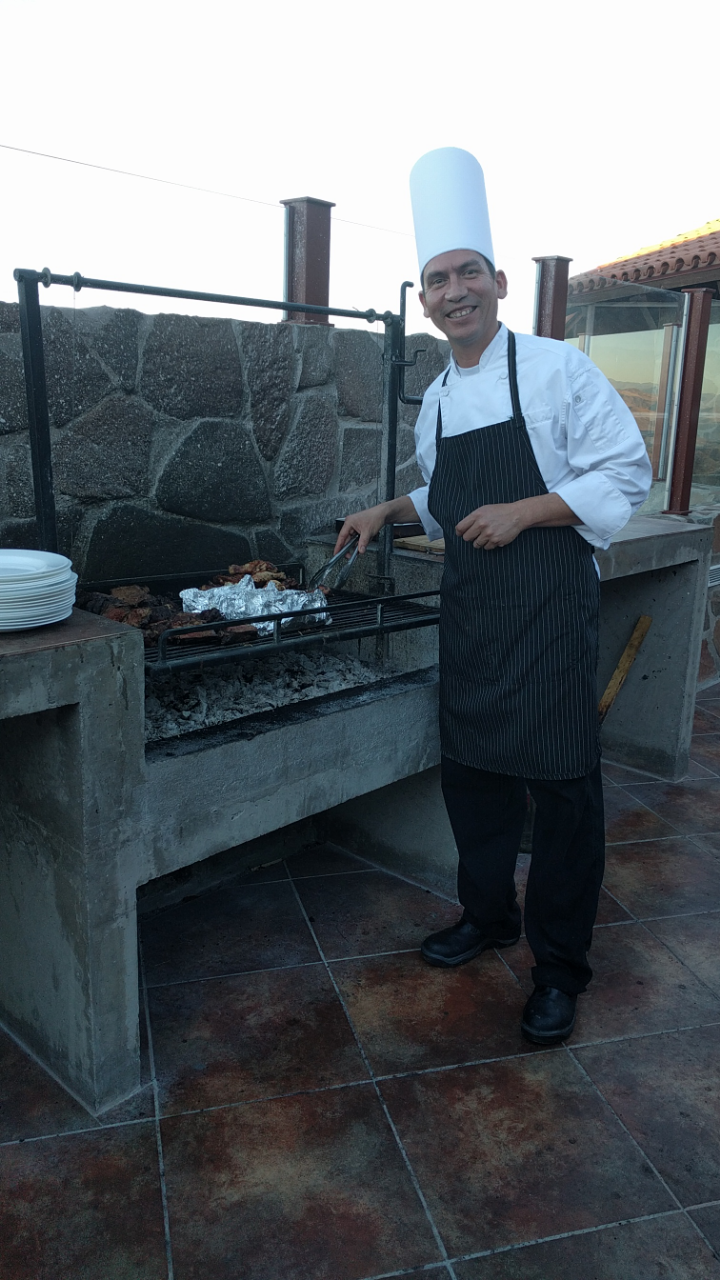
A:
(438, 425)
(512, 374)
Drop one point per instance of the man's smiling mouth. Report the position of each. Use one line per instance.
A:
(460, 313)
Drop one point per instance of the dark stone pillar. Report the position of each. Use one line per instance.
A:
(307, 256)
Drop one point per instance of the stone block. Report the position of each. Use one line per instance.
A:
(315, 344)
(132, 541)
(23, 532)
(113, 337)
(270, 546)
(106, 452)
(19, 495)
(9, 317)
(308, 459)
(359, 374)
(434, 357)
(270, 363)
(408, 477)
(75, 378)
(215, 474)
(298, 523)
(405, 444)
(360, 456)
(191, 368)
(13, 398)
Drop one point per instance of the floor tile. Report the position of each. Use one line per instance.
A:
(696, 941)
(324, 860)
(291, 1189)
(227, 930)
(689, 806)
(619, 774)
(517, 1150)
(232, 1039)
(666, 1089)
(33, 1104)
(707, 716)
(83, 1207)
(664, 877)
(664, 1248)
(626, 818)
(696, 770)
(708, 1220)
(638, 987)
(372, 912)
(410, 1016)
(705, 750)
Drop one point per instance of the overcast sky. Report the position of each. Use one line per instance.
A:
(594, 125)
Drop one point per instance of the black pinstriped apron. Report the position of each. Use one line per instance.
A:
(518, 625)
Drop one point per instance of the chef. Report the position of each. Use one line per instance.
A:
(531, 459)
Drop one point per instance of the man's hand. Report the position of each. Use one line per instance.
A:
(365, 523)
(369, 523)
(500, 523)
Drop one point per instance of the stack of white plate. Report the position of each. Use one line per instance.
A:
(36, 588)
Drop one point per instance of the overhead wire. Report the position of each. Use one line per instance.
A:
(185, 186)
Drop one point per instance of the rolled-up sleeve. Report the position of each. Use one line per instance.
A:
(606, 451)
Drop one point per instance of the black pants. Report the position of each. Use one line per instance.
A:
(487, 812)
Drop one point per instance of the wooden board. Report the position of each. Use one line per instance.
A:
(422, 543)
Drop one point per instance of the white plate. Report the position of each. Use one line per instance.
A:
(14, 595)
(60, 616)
(42, 591)
(31, 564)
(38, 611)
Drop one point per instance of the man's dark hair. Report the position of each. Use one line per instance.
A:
(487, 262)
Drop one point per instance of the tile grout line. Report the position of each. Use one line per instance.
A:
(158, 1134)
(642, 1151)
(564, 1235)
(406, 1159)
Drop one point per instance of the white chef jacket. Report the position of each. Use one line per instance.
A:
(586, 442)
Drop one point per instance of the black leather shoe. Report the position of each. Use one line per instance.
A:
(548, 1016)
(460, 943)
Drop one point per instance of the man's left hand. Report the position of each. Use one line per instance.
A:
(492, 526)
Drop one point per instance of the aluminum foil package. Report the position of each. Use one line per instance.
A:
(241, 600)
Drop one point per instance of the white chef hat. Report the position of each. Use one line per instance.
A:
(449, 205)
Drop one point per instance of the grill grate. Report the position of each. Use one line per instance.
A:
(353, 617)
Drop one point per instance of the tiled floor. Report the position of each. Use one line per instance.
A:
(320, 1105)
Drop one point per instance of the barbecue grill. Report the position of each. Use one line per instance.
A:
(352, 616)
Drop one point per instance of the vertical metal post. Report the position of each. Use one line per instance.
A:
(38, 418)
(392, 352)
(307, 256)
(551, 290)
(691, 380)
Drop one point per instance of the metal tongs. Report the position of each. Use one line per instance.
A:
(320, 578)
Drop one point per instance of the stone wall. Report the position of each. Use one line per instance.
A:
(187, 443)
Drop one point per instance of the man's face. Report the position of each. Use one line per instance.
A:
(460, 296)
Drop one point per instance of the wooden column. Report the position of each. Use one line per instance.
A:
(307, 256)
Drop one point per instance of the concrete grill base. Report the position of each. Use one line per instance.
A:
(88, 815)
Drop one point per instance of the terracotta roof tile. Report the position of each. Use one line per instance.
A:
(658, 264)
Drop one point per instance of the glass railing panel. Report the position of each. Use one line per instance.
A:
(633, 334)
